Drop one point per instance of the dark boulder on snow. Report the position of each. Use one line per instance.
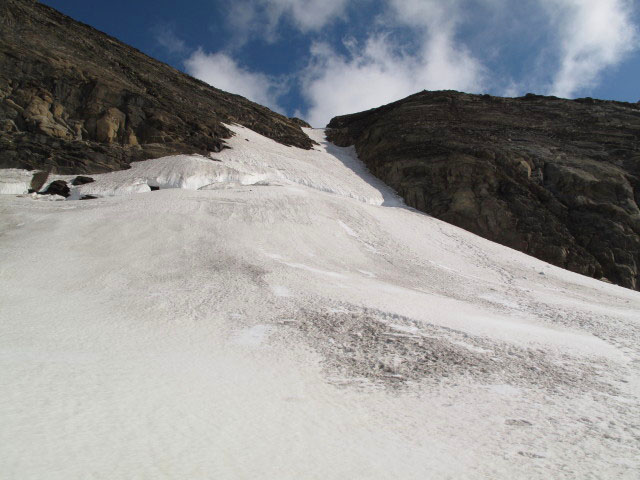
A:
(58, 187)
(557, 179)
(74, 100)
(82, 180)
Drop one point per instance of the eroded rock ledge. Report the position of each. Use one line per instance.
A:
(74, 100)
(557, 179)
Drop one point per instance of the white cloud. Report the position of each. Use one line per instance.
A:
(558, 47)
(306, 15)
(593, 35)
(383, 70)
(426, 13)
(263, 17)
(222, 71)
(166, 38)
(575, 40)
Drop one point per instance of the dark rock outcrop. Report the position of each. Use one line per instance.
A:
(74, 100)
(82, 180)
(58, 187)
(300, 122)
(557, 179)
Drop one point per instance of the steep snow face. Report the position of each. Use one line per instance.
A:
(14, 181)
(252, 160)
(280, 314)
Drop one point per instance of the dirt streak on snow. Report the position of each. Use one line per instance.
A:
(278, 313)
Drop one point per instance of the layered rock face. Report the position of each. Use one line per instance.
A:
(74, 100)
(557, 179)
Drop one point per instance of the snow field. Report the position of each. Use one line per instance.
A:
(280, 314)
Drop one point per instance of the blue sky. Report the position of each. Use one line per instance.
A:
(320, 58)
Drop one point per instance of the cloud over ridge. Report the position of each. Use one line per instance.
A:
(505, 47)
(222, 71)
(594, 35)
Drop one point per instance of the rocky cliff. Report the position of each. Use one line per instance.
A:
(557, 179)
(74, 100)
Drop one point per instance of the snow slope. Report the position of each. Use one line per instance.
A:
(280, 314)
(14, 181)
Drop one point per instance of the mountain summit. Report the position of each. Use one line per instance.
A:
(557, 179)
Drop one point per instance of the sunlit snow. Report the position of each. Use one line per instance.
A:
(14, 181)
(277, 313)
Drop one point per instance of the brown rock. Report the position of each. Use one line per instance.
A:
(38, 180)
(300, 122)
(109, 124)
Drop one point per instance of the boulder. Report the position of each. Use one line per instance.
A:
(58, 187)
(37, 181)
(82, 180)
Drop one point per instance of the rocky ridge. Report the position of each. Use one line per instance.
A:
(557, 179)
(74, 100)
